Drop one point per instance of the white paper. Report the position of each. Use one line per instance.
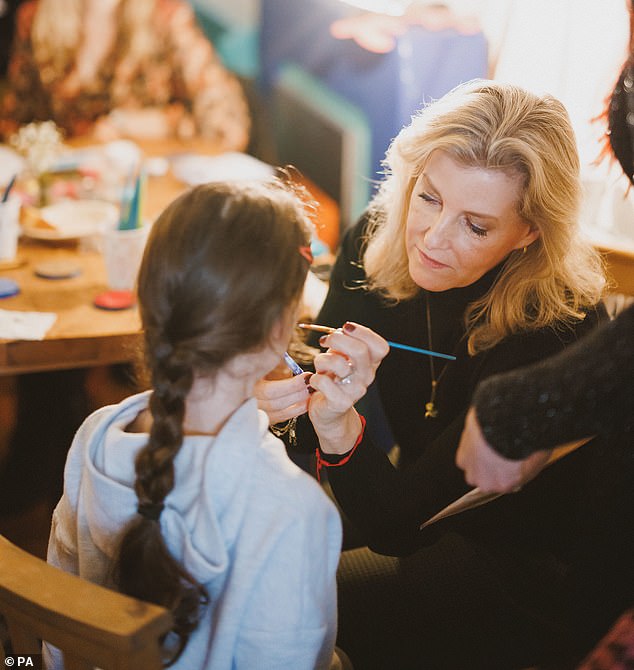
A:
(193, 169)
(15, 325)
(469, 500)
(475, 497)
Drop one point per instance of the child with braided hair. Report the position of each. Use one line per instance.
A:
(181, 495)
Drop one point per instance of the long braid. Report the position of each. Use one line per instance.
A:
(146, 569)
(171, 380)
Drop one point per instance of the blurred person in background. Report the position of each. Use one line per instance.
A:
(571, 50)
(121, 68)
(7, 26)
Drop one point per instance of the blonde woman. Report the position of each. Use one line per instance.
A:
(132, 68)
(470, 249)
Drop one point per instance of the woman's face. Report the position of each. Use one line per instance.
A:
(461, 222)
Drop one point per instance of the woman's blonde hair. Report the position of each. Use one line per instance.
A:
(57, 34)
(496, 126)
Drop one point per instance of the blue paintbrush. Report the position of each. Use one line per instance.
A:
(394, 345)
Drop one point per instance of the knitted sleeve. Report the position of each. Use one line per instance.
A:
(585, 390)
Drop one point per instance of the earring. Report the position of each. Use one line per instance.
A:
(524, 250)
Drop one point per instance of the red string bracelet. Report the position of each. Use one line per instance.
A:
(321, 462)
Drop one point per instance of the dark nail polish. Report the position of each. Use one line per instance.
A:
(307, 380)
(349, 327)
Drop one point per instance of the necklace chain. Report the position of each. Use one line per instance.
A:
(431, 411)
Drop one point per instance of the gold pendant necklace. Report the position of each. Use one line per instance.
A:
(431, 411)
(430, 407)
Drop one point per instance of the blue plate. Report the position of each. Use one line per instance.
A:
(8, 288)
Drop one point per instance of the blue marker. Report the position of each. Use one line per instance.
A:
(295, 369)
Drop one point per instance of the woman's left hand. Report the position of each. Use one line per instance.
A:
(342, 376)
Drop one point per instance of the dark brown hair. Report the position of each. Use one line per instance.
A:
(620, 135)
(221, 266)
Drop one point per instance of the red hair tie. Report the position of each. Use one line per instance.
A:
(306, 253)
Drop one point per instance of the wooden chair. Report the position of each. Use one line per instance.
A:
(92, 625)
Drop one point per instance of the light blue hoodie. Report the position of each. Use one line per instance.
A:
(255, 530)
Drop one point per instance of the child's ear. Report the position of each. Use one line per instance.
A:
(279, 327)
(282, 327)
(285, 323)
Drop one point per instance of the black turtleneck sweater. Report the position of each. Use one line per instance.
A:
(565, 514)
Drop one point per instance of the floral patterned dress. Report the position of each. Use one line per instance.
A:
(184, 76)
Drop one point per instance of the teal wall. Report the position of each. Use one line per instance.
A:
(237, 44)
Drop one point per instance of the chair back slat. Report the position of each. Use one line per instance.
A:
(92, 625)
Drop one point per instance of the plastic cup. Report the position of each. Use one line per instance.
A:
(123, 251)
(9, 228)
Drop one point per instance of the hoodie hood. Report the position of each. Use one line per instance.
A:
(207, 502)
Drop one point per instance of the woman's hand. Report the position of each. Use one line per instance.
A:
(149, 123)
(372, 31)
(283, 398)
(485, 468)
(342, 376)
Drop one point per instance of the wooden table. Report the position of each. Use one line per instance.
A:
(83, 335)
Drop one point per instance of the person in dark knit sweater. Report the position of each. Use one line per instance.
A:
(584, 391)
(471, 249)
(587, 390)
